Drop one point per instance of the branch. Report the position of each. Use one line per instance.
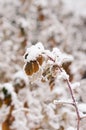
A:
(75, 105)
(63, 102)
(71, 92)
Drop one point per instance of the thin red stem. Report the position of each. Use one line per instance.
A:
(71, 92)
(75, 105)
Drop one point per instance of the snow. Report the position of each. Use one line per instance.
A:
(82, 107)
(8, 87)
(4, 111)
(20, 75)
(77, 6)
(63, 75)
(75, 85)
(34, 52)
(70, 128)
(55, 29)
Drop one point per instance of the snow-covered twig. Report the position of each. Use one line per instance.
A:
(63, 102)
(72, 95)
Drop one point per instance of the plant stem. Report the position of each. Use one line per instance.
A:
(75, 105)
(71, 92)
(74, 101)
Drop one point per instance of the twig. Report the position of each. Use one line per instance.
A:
(63, 102)
(71, 92)
(74, 101)
(21, 109)
(83, 117)
(75, 105)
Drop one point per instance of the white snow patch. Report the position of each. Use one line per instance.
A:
(34, 51)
